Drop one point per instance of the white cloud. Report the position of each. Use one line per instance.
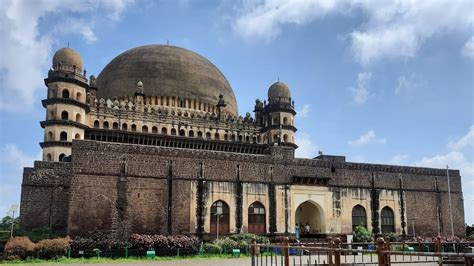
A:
(399, 159)
(463, 142)
(369, 137)
(306, 148)
(406, 85)
(263, 19)
(361, 93)
(12, 155)
(468, 48)
(391, 29)
(304, 112)
(26, 53)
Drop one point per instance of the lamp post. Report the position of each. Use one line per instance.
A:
(218, 215)
(13, 209)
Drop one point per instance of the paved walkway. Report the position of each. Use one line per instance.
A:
(193, 262)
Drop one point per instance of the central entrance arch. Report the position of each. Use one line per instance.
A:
(311, 213)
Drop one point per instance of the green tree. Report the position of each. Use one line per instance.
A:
(361, 234)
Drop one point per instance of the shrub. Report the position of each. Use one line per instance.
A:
(146, 242)
(361, 234)
(227, 244)
(53, 248)
(20, 246)
(211, 248)
(248, 237)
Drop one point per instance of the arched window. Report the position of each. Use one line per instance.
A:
(285, 138)
(63, 136)
(64, 115)
(254, 139)
(285, 121)
(134, 127)
(220, 217)
(226, 137)
(275, 138)
(388, 221)
(233, 137)
(62, 157)
(182, 132)
(124, 126)
(115, 125)
(247, 139)
(359, 217)
(208, 135)
(275, 121)
(154, 130)
(191, 133)
(173, 132)
(96, 124)
(216, 136)
(257, 218)
(241, 138)
(50, 136)
(259, 139)
(200, 134)
(78, 118)
(164, 131)
(48, 157)
(65, 93)
(144, 129)
(106, 125)
(77, 136)
(78, 96)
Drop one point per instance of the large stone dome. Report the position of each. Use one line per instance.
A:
(165, 71)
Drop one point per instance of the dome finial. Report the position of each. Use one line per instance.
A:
(140, 86)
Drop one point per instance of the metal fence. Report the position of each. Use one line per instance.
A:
(331, 253)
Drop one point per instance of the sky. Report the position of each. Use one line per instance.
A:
(386, 81)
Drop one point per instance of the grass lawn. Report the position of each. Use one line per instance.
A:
(63, 260)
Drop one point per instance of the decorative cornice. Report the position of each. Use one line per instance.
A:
(50, 101)
(62, 122)
(278, 108)
(287, 127)
(55, 77)
(47, 144)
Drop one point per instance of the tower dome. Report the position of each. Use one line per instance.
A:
(279, 90)
(67, 57)
(167, 71)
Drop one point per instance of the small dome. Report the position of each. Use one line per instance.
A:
(279, 90)
(67, 57)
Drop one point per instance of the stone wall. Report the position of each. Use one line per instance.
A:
(44, 196)
(124, 188)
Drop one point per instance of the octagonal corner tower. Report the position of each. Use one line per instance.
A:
(166, 71)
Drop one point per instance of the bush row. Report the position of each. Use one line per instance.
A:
(22, 247)
(238, 241)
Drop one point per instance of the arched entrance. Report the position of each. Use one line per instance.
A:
(220, 217)
(310, 213)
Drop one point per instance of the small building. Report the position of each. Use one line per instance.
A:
(156, 144)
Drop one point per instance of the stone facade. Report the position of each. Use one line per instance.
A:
(156, 164)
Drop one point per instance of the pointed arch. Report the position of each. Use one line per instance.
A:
(387, 220)
(219, 212)
(256, 219)
(359, 217)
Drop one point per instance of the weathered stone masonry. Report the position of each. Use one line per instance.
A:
(102, 197)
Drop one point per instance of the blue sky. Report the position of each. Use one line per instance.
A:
(377, 81)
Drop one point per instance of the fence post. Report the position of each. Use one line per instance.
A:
(380, 248)
(337, 253)
(253, 250)
(126, 252)
(330, 252)
(287, 252)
